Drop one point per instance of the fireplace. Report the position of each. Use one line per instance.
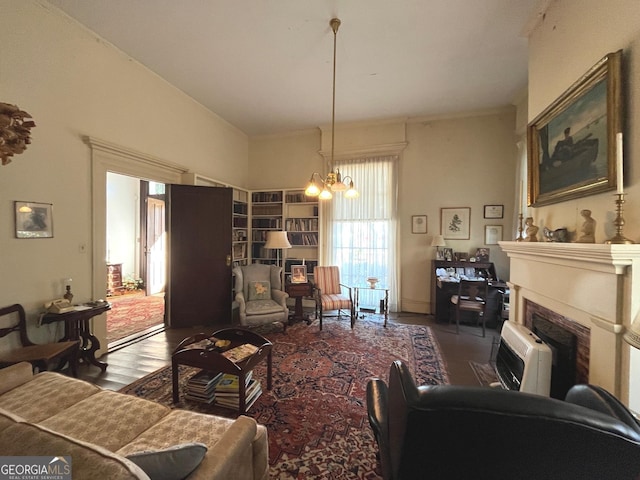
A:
(591, 290)
(569, 343)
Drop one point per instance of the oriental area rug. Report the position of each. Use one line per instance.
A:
(316, 412)
(134, 313)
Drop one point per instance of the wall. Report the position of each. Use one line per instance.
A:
(123, 213)
(570, 39)
(448, 162)
(75, 84)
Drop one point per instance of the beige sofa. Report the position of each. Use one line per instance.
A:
(51, 414)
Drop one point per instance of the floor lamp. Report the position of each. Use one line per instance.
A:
(277, 240)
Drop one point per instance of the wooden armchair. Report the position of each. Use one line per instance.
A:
(24, 350)
(331, 294)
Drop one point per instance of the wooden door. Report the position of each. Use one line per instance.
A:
(155, 251)
(199, 225)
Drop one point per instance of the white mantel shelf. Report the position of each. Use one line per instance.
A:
(599, 257)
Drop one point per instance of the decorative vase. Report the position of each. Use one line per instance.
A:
(372, 282)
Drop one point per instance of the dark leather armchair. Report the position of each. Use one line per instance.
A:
(456, 432)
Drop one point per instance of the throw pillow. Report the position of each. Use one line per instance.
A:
(259, 290)
(172, 463)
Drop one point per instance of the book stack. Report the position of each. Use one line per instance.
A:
(227, 393)
(202, 386)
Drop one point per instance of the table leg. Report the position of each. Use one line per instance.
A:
(386, 307)
(174, 380)
(90, 344)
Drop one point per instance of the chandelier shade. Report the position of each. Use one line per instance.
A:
(334, 182)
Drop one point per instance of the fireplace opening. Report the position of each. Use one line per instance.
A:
(563, 346)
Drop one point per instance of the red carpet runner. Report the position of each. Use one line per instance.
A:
(316, 413)
(131, 314)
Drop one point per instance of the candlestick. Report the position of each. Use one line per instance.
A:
(520, 196)
(619, 237)
(520, 238)
(619, 169)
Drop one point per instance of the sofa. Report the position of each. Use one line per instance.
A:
(453, 432)
(118, 436)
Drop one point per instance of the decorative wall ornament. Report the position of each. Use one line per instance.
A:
(15, 131)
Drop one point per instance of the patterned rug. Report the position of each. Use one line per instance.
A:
(134, 313)
(485, 373)
(316, 412)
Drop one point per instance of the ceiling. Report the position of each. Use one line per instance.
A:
(265, 66)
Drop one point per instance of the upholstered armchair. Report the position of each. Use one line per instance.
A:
(331, 294)
(259, 295)
(454, 432)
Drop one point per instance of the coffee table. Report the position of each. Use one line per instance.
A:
(213, 360)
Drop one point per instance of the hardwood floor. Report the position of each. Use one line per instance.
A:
(136, 360)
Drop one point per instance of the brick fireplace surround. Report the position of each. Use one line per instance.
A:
(597, 286)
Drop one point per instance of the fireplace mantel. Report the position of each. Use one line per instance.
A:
(596, 285)
(600, 257)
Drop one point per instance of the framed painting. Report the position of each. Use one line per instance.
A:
(455, 223)
(571, 144)
(418, 224)
(33, 220)
(298, 274)
(493, 211)
(492, 234)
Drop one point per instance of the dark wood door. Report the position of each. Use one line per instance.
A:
(199, 263)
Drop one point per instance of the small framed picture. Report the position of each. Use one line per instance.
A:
(492, 234)
(454, 223)
(298, 274)
(494, 211)
(482, 255)
(34, 220)
(418, 224)
(447, 254)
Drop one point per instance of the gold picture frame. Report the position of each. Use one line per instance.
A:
(571, 144)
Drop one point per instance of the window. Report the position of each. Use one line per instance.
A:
(361, 233)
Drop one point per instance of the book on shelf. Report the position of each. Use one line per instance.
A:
(202, 386)
(239, 353)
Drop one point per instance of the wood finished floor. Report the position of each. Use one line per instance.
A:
(136, 360)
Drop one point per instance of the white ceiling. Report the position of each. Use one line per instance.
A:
(265, 66)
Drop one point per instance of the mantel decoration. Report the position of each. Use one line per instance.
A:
(334, 181)
(571, 144)
(15, 131)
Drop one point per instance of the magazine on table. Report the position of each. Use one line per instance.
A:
(240, 352)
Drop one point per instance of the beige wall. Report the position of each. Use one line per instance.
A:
(450, 162)
(75, 84)
(571, 38)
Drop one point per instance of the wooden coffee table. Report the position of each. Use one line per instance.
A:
(213, 360)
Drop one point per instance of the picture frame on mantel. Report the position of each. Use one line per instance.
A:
(571, 144)
(455, 223)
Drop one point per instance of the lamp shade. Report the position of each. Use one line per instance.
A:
(438, 241)
(277, 240)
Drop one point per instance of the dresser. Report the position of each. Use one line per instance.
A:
(114, 278)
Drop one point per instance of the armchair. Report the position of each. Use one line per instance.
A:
(259, 295)
(453, 432)
(329, 293)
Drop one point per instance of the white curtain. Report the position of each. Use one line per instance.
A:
(361, 235)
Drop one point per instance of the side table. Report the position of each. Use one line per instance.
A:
(384, 302)
(76, 327)
(213, 360)
(298, 291)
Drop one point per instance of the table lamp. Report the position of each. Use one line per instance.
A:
(438, 241)
(277, 240)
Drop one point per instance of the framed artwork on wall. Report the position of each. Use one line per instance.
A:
(418, 224)
(33, 220)
(455, 223)
(492, 234)
(571, 144)
(493, 211)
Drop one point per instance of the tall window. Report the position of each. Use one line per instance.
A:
(362, 233)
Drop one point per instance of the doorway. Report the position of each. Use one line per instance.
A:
(136, 258)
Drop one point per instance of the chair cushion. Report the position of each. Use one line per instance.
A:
(260, 290)
(260, 307)
(335, 302)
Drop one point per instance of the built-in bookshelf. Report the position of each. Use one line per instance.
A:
(266, 216)
(240, 245)
(302, 223)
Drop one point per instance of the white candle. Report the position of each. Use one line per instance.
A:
(520, 203)
(620, 177)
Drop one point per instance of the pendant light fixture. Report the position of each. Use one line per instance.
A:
(334, 181)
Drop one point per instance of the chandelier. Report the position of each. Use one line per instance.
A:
(334, 181)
